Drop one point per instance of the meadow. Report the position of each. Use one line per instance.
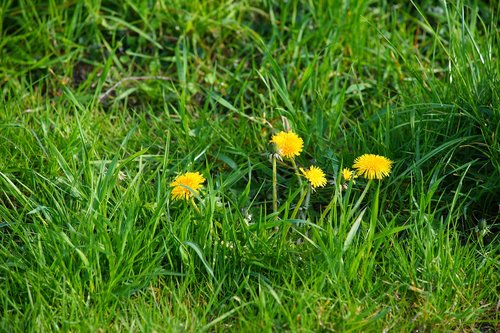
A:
(106, 105)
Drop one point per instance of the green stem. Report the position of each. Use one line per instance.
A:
(360, 199)
(336, 198)
(367, 266)
(298, 176)
(308, 198)
(275, 188)
(297, 208)
(374, 214)
(195, 206)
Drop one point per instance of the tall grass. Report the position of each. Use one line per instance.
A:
(103, 104)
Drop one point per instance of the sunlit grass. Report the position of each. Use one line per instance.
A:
(104, 108)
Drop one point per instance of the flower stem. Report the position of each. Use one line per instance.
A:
(360, 199)
(298, 176)
(305, 195)
(308, 198)
(275, 188)
(374, 214)
(195, 206)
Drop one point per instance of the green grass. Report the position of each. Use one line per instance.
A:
(102, 104)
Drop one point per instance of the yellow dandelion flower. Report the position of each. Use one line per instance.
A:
(193, 180)
(288, 144)
(348, 174)
(372, 166)
(315, 176)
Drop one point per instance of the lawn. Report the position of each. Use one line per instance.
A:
(184, 166)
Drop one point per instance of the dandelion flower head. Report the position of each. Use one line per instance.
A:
(193, 180)
(372, 166)
(288, 144)
(315, 176)
(348, 174)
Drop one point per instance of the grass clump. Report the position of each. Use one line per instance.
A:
(201, 166)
